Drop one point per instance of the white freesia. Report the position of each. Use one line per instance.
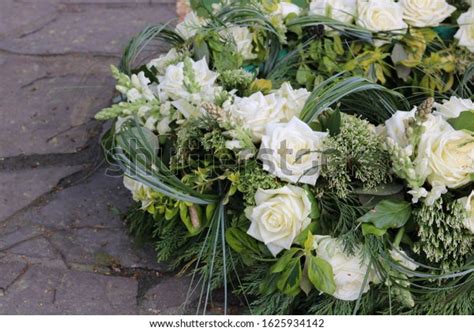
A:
(292, 151)
(255, 112)
(279, 216)
(243, 39)
(423, 13)
(140, 192)
(163, 61)
(190, 26)
(283, 9)
(187, 96)
(380, 15)
(453, 107)
(349, 271)
(465, 34)
(468, 203)
(341, 10)
(445, 156)
(293, 100)
(396, 129)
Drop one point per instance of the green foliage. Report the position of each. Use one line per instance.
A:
(251, 178)
(388, 214)
(238, 79)
(465, 121)
(321, 275)
(356, 153)
(442, 238)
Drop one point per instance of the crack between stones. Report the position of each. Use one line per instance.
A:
(64, 54)
(17, 278)
(23, 35)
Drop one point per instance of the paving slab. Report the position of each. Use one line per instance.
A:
(20, 188)
(97, 29)
(43, 290)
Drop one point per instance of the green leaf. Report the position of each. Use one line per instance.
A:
(388, 214)
(321, 275)
(301, 238)
(315, 211)
(289, 281)
(465, 121)
(308, 244)
(241, 242)
(284, 260)
(331, 120)
(371, 229)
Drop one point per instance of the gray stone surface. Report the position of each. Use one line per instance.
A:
(64, 248)
(20, 188)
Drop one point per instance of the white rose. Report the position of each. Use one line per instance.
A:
(284, 9)
(294, 100)
(465, 34)
(396, 129)
(279, 216)
(140, 192)
(401, 257)
(341, 10)
(380, 15)
(445, 156)
(292, 151)
(255, 112)
(187, 99)
(163, 61)
(243, 39)
(190, 25)
(453, 107)
(422, 13)
(468, 202)
(349, 271)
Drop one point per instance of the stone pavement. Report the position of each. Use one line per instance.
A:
(63, 245)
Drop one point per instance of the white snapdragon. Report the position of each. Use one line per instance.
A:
(284, 9)
(292, 151)
(163, 61)
(279, 216)
(396, 129)
(188, 85)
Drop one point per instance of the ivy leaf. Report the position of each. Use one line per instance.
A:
(284, 260)
(289, 281)
(321, 275)
(388, 214)
(465, 121)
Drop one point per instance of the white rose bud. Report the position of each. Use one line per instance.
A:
(422, 13)
(279, 216)
(453, 107)
(349, 271)
(292, 151)
(190, 25)
(381, 15)
(465, 34)
(341, 10)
